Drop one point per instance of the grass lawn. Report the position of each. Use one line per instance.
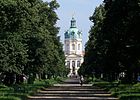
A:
(123, 91)
(20, 92)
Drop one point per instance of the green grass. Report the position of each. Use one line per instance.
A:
(123, 91)
(9, 98)
(20, 92)
(129, 97)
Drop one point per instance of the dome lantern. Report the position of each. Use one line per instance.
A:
(73, 23)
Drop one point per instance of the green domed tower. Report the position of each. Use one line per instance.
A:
(73, 32)
(73, 48)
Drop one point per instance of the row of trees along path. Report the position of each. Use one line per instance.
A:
(70, 89)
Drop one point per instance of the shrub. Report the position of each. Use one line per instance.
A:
(105, 85)
(59, 79)
(23, 90)
(2, 86)
(49, 82)
(9, 98)
(89, 80)
(129, 97)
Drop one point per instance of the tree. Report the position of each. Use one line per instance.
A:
(13, 50)
(93, 50)
(113, 45)
(122, 35)
(29, 26)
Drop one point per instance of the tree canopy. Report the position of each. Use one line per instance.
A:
(113, 45)
(29, 42)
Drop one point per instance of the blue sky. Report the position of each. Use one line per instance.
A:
(82, 10)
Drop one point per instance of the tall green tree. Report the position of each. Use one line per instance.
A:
(94, 49)
(13, 50)
(113, 45)
(29, 26)
(121, 30)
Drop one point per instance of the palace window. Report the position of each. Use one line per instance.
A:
(78, 63)
(78, 46)
(73, 46)
(73, 63)
(67, 47)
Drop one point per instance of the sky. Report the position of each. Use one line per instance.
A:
(81, 10)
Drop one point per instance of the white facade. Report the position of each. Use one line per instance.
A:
(73, 49)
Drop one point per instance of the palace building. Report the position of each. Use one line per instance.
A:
(73, 48)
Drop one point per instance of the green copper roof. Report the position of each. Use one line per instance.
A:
(73, 32)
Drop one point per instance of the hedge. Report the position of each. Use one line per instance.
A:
(9, 98)
(129, 97)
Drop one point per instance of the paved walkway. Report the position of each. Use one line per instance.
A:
(71, 90)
